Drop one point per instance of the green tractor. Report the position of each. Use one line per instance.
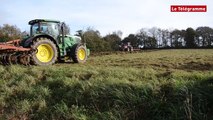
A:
(46, 44)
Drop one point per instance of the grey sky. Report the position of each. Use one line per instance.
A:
(106, 15)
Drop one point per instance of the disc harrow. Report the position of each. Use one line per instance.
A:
(12, 53)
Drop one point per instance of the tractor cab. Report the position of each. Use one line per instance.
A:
(49, 27)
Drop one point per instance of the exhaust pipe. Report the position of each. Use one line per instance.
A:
(63, 32)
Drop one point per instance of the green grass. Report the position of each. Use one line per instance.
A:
(153, 85)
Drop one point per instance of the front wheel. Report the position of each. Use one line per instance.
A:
(79, 53)
(46, 52)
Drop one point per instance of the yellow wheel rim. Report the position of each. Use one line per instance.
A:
(45, 53)
(81, 54)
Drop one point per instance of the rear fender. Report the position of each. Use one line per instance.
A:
(29, 41)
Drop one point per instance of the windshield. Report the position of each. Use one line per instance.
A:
(34, 29)
(46, 28)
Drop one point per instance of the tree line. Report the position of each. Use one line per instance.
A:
(145, 38)
(9, 32)
(202, 37)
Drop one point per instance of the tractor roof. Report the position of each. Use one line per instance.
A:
(42, 20)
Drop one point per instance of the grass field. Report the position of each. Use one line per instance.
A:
(149, 85)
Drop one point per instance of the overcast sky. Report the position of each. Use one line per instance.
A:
(106, 15)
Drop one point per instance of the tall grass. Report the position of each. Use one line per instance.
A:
(157, 85)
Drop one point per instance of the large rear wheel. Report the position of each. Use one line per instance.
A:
(45, 52)
(79, 53)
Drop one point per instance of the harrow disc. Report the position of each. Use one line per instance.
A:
(4, 59)
(12, 58)
(15, 58)
(24, 59)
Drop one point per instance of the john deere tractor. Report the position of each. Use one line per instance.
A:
(46, 44)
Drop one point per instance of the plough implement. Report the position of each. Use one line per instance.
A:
(12, 53)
